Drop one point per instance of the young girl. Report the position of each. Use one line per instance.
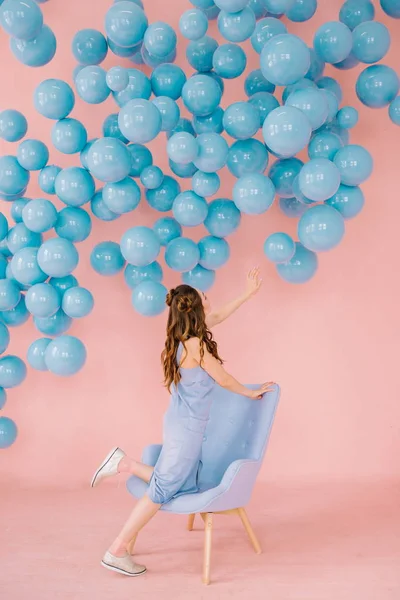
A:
(191, 366)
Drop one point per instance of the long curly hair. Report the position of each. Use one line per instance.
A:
(186, 319)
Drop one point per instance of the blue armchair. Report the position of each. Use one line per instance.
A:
(235, 442)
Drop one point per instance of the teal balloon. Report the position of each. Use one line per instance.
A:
(256, 82)
(168, 80)
(89, 47)
(25, 267)
(8, 432)
(39, 215)
(169, 111)
(354, 12)
(91, 85)
(62, 284)
(55, 325)
(13, 125)
(121, 197)
(3, 400)
(301, 84)
(16, 316)
(32, 155)
(106, 258)
(324, 145)
(316, 68)
(135, 275)
(182, 254)
(229, 5)
(237, 26)
(205, 184)
(199, 278)
(377, 86)
(253, 194)
(37, 52)
(166, 230)
(301, 10)
(65, 356)
(229, 61)
(148, 298)
(279, 247)
(319, 179)
(347, 117)
(10, 294)
(117, 78)
(12, 371)
(159, 39)
(301, 267)
(286, 131)
(151, 177)
(125, 23)
(199, 53)
(73, 224)
(189, 209)
(184, 171)
(298, 194)
(14, 179)
(282, 174)
(42, 300)
(140, 121)
(141, 158)
(212, 123)
(183, 125)
(16, 214)
(57, 257)
(291, 207)
(355, 164)
(139, 86)
(332, 85)
(162, 198)
(4, 265)
(100, 210)
(35, 354)
(223, 217)
(110, 129)
(258, 7)
(193, 24)
(140, 246)
(348, 200)
(214, 252)
(278, 7)
(47, 179)
(333, 106)
(182, 147)
(201, 95)
(333, 42)
(69, 136)
(4, 341)
(4, 222)
(394, 111)
(20, 237)
(371, 41)
(213, 152)
(391, 8)
(247, 156)
(241, 120)
(264, 102)
(77, 302)
(284, 59)
(21, 19)
(109, 160)
(321, 228)
(264, 30)
(313, 103)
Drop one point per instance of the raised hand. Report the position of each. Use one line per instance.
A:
(253, 282)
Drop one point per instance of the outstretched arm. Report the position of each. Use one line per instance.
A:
(252, 286)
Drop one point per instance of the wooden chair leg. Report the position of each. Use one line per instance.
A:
(132, 545)
(207, 547)
(249, 530)
(190, 522)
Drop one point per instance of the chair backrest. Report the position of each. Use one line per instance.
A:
(238, 428)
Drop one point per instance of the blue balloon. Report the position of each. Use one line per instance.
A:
(193, 24)
(182, 147)
(3, 266)
(256, 82)
(91, 84)
(214, 252)
(57, 257)
(301, 84)
(8, 432)
(291, 207)
(73, 224)
(333, 41)
(330, 84)
(298, 194)
(109, 160)
(117, 78)
(69, 136)
(278, 7)
(258, 7)
(229, 61)
(169, 111)
(348, 200)
(20, 237)
(321, 228)
(201, 95)
(264, 31)
(282, 174)
(253, 194)
(141, 158)
(394, 111)
(110, 129)
(199, 53)
(13, 125)
(354, 12)
(212, 152)
(148, 298)
(319, 179)
(152, 61)
(47, 179)
(62, 284)
(229, 5)
(324, 145)
(347, 117)
(151, 177)
(35, 354)
(301, 10)
(354, 163)
(74, 186)
(189, 209)
(377, 86)
(313, 103)
(333, 106)
(42, 300)
(237, 26)
(162, 198)
(286, 131)
(32, 155)
(39, 215)
(184, 171)
(135, 275)
(139, 86)
(21, 19)
(10, 294)
(3, 400)
(167, 229)
(89, 47)
(140, 121)
(301, 267)
(121, 197)
(4, 341)
(199, 278)
(4, 249)
(317, 66)
(140, 246)
(183, 125)
(371, 41)
(100, 210)
(168, 80)
(279, 247)
(16, 214)
(223, 217)
(13, 178)
(159, 39)
(391, 8)
(25, 267)
(14, 211)
(284, 59)
(55, 325)
(124, 52)
(182, 254)
(212, 123)
(125, 23)
(205, 184)
(264, 102)
(16, 316)
(106, 258)
(247, 156)
(66, 355)
(37, 52)
(77, 302)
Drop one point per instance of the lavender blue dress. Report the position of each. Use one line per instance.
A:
(177, 469)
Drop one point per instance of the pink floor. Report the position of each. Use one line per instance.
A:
(320, 542)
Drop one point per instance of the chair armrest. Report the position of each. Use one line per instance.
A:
(150, 454)
(236, 485)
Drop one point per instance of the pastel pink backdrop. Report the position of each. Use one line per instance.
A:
(332, 344)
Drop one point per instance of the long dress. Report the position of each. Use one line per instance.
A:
(178, 466)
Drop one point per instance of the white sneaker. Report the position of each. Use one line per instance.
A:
(108, 467)
(122, 564)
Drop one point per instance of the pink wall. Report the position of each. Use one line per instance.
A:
(332, 344)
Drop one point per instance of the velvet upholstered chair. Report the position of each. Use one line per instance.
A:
(235, 442)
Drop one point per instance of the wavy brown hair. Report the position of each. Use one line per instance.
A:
(186, 319)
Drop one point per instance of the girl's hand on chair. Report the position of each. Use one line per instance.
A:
(264, 389)
(253, 283)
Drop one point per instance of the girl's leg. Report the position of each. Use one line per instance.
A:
(129, 465)
(144, 510)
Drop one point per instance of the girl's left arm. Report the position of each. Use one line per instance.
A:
(253, 284)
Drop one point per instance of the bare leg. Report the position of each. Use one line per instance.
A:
(144, 510)
(129, 465)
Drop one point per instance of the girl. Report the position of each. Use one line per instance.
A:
(191, 366)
